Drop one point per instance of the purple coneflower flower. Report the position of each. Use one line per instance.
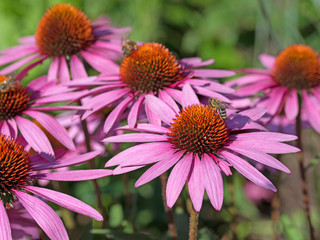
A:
(198, 144)
(65, 34)
(292, 76)
(18, 103)
(151, 69)
(17, 171)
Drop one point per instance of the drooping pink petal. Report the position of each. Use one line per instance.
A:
(22, 52)
(312, 113)
(214, 86)
(268, 136)
(158, 168)
(248, 80)
(5, 129)
(23, 73)
(53, 69)
(60, 108)
(276, 98)
(135, 111)
(255, 88)
(212, 181)
(124, 169)
(35, 137)
(260, 157)
(116, 113)
(77, 68)
(151, 116)
(13, 128)
(142, 152)
(65, 201)
(248, 171)
(267, 60)
(177, 179)
(13, 67)
(136, 137)
(168, 100)
(239, 122)
(196, 184)
(189, 97)
(205, 92)
(5, 229)
(253, 113)
(214, 73)
(99, 63)
(75, 175)
(53, 127)
(175, 94)
(291, 108)
(144, 127)
(195, 62)
(45, 217)
(160, 108)
(64, 75)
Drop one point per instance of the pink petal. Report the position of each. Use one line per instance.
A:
(311, 111)
(268, 136)
(160, 108)
(177, 179)
(121, 169)
(292, 107)
(175, 94)
(276, 97)
(253, 113)
(248, 171)
(261, 158)
(195, 184)
(248, 80)
(13, 67)
(77, 68)
(239, 122)
(151, 116)
(135, 111)
(158, 168)
(99, 63)
(5, 129)
(45, 217)
(5, 229)
(212, 85)
(214, 73)
(209, 93)
(212, 181)
(168, 100)
(189, 97)
(267, 60)
(63, 70)
(27, 39)
(53, 127)
(136, 137)
(144, 127)
(23, 73)
(53, 69)
(75, 175)
(142, 152)
(35, 137)
(65, 201)
(255, 88)
(116, 113)
(23, 51)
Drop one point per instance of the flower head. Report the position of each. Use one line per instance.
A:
(150, 69)
(199, 145)
(65, 34)
(18, 170)
(294, 74)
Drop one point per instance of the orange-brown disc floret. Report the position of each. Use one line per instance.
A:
(13, 101)
(63, 30)
(149, 68)
(15, 166)
(198, 129)
(297, 67)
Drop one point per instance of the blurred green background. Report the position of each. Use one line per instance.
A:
(232, 32)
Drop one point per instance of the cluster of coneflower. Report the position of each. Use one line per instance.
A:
(142, 94)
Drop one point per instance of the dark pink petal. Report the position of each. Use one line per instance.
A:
(13, 128)
(189, 97)
(196, 184)
(265, 146)
(100, 63)
(160, 108)
(5, 229)
(248, 171)
(253, 113)
(64, 75)
(276, 98)
(22, 52)
(35, 137)
(13, 67)
(267, 60)
(116, 113)
(60, 108)
(239, 122)
(209, 93)
(214, 86)
(144, 127)
(75, 175)
(248, 80)
(291, 108)
(45, 217)
(177, 179)
(151, 116)
(212, 181)
(268, 136)
(135, 111)
(158, 168)
(53, 127)
(53, 69)
(142, 151)
(65, 162)
(5, 129)
(168, 100)
(175, 94)
(65, 201)
(37, 83)
(23, 73)
(214, 73)
(136, 137)
(255, 88)
(260, 157)
(77, 68)
(311, 106)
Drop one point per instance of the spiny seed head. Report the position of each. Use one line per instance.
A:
(63, 30)
(14, 100)
(149, 68)
(297, 67)
(198, 129)
(15, 167)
